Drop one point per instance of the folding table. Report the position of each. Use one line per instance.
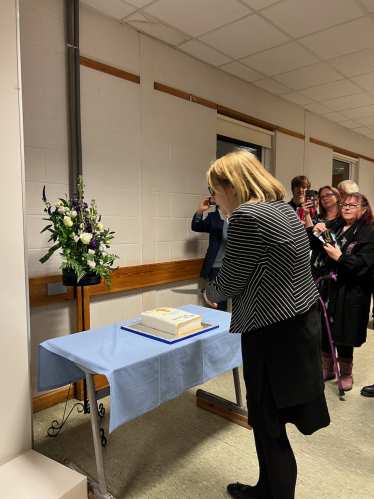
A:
(142, 372)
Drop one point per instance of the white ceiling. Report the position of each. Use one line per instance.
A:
(318, 54)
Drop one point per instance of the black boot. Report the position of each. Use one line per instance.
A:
(368, 391)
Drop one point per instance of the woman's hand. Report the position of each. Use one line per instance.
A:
(321, 227)
(333, 251)
(307, 206)
(214, 305)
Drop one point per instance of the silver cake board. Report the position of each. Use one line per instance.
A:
(170, 339)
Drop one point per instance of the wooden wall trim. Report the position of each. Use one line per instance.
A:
(291, 133)
(226, 111)
(124, 278)
(231, 113)
(172, 91)
(110, 70)
(320, 143)
(340, 150)
(52, 398)
(38, 291)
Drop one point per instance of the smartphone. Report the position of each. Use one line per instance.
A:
(213, 203)
(309, 197)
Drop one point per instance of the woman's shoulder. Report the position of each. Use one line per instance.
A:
(254, 209)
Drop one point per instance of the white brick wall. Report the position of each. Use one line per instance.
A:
(289, 160)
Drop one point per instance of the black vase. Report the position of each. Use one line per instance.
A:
(69, 278)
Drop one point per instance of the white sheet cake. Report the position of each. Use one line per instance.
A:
(172, 321)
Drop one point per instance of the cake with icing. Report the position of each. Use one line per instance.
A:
(172, 321)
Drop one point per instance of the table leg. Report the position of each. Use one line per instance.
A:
(96, 433)
(238, 391)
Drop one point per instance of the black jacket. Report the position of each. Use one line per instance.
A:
(213, 224)
(348, 299)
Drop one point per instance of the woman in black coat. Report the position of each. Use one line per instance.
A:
(348, 298)
(266, 272)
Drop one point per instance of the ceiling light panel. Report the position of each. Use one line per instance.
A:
(196, 17)
(205, 53)
(113, 8)
(317, 74)
(245, 37)
(340, 40)
(142, 21)
(331, 90)
(242, 71)
(281, 59)
(303, 17)
(350, 102)
(355, 64)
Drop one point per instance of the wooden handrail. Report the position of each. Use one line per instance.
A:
(124, 278)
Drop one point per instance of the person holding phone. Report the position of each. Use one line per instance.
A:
(307, 211)
(349, 297)
(329, 207)
(215, 224)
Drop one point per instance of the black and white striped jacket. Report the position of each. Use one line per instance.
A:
(266, 269)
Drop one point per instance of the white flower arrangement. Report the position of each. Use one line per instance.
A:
(75, 228)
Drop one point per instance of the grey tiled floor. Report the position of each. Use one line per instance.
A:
(180, 451)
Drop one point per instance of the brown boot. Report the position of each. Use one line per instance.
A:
(328, 366)
(345, 366)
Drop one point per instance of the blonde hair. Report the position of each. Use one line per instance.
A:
(252, 183)
(348, 186)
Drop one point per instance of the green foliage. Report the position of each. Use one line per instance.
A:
(75, 227)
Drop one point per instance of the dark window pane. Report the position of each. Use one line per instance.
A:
(227, 144)
(340, 172)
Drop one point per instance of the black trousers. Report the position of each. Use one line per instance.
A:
(343, 351)
(212, 275)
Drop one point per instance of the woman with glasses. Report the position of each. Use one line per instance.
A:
(266, 272)
(348, 298)
(329, 206)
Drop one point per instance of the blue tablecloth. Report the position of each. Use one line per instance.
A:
(142, 373)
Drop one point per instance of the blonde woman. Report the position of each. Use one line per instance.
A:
(266, 271)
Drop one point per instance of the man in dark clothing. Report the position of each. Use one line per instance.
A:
(217, 229)
(299, 185)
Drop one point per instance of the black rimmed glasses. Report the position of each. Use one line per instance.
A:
(350, 205)
(211, 192)
(328, 195)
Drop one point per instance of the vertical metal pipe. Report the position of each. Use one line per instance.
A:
(73, 170)
(77, 84)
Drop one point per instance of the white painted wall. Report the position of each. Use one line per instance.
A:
(15, 418)
(145, 153)
(366, 179)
